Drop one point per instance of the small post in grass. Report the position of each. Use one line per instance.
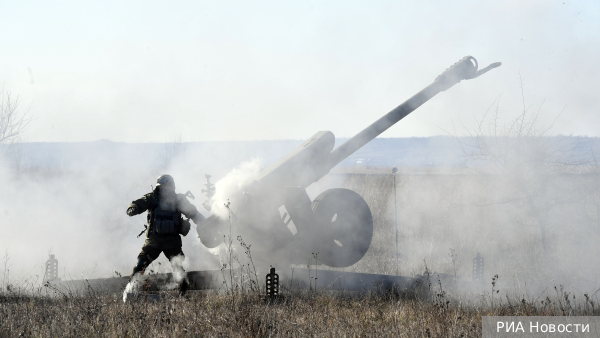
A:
(51, 273)
(272, 284)
(478, 268)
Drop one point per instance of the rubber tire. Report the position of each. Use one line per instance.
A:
(352, 227)
(208, 232)
(211, 241)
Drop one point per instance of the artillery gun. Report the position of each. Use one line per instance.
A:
(337, 224)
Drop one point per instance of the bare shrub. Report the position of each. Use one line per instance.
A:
(174, 149)
(536, 195)
(12, 122)
(528, 165)
(12, 125)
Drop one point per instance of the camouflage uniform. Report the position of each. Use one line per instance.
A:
(156, 243)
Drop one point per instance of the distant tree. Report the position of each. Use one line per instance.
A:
(173, 150)
(532, 169)
(12, 125)
(590, 185)
(12, 122)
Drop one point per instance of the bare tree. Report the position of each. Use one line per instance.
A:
(591, 188)
(173, 150)
(533, 170)
(12, 122)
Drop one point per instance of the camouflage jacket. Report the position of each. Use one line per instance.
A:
(148, 203)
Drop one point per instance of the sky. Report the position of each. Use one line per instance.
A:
(152, 71)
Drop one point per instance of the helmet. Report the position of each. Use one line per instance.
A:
(166, 181)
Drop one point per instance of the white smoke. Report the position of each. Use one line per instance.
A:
(178, 268)
(133, 287)
(230, 186)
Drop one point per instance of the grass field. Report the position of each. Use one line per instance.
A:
(245, 315)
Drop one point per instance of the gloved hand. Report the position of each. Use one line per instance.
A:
(132, 210)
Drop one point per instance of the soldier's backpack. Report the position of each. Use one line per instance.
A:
(164, 219)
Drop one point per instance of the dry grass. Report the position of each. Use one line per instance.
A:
(299, 314)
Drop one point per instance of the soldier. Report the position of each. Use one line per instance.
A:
(165, 224)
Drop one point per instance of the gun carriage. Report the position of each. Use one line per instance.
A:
(337, 224)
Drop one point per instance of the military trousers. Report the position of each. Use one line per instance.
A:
(150, 253)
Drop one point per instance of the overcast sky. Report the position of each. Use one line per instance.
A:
(146, 71)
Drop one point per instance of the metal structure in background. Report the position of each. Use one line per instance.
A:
(478, 265)
(51, 273)
(209, 192)
(272, 284)
(338, 223)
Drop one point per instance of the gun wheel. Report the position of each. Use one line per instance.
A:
(209, 233)
(345, 227)
(211, 239)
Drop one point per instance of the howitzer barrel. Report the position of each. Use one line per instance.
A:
(338, 223)
(464, 69)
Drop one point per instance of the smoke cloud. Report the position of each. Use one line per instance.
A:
(232, 184)
(528, 203)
